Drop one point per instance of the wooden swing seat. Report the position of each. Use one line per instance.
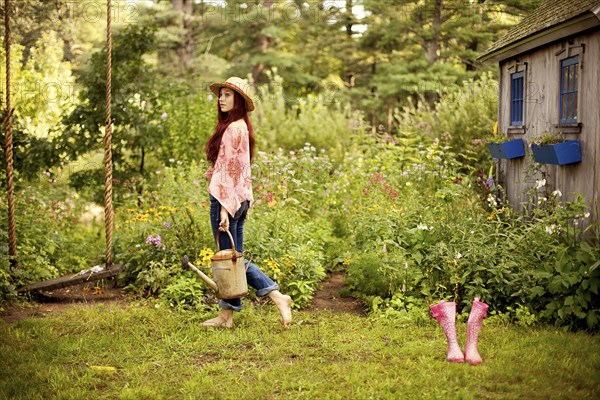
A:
(72, 279)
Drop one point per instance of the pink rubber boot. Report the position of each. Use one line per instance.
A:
(478, 313)
(445, 313)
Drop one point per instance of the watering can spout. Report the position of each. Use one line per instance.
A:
(187, 264)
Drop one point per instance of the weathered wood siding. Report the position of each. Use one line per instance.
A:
(541, 113)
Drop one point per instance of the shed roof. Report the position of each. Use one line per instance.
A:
(550, 14)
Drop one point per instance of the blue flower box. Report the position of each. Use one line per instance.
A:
(567, 152)
(512, 149)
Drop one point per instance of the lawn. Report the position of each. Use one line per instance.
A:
(158, 353)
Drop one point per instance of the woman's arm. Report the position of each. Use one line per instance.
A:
(224, 224)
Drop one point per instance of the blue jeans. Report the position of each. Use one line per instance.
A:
(255, 277)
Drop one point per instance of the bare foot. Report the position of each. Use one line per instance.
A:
(284, 304)
(224, 320)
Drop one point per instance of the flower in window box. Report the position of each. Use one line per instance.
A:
(502, 146)
(554, 149)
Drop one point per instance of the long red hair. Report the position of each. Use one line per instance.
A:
(223, 120)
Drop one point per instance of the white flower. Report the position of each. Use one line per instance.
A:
(540, 184)
(209, 97)
(458, 255)
(472, 232)
(164, 116)
(422, 227)
(557, 193)
(171, 160)
(586, 215)
(551, 229)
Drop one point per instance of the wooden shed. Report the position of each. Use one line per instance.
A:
(549, 81)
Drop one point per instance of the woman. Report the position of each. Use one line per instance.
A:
(230, 150)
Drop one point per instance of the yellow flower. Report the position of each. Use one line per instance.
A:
(204, 257)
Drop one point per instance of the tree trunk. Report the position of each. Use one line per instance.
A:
(349, 18)
(185, 48)
(431, 46)
(262, 43)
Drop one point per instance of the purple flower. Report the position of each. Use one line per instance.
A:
(155, 240)
(167, 225)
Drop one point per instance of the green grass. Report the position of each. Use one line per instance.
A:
(164, 354)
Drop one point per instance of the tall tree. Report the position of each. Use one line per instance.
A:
(423, 48)
(185, 45)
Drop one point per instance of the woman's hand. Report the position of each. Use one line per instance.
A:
(224, 224)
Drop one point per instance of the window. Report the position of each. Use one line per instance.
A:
(516, 98)
(569, 68)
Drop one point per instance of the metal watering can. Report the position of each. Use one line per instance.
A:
(228, 270)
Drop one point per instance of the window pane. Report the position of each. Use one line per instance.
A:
(575, 106)
(571, 77)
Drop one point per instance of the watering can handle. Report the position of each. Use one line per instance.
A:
(249, 259)
(232, 243)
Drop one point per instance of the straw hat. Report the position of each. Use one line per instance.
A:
(239, 85)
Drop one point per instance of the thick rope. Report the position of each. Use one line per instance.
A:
(8, 141)
(108, 207)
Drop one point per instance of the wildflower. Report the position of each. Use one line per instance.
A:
(551, 229)
(458, 255)
(540, 184)
(155, 240)
(423, 227)
(209, 97)
(204, 258)
(586, 215)
(557, 193)
(167, 225)
(164, 116)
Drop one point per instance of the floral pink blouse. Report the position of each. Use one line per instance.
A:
(231, 176)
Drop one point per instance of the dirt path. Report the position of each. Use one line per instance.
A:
(328, 296)
(59, 300)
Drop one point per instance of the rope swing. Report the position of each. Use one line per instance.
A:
(8, 143)
(108, 206)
